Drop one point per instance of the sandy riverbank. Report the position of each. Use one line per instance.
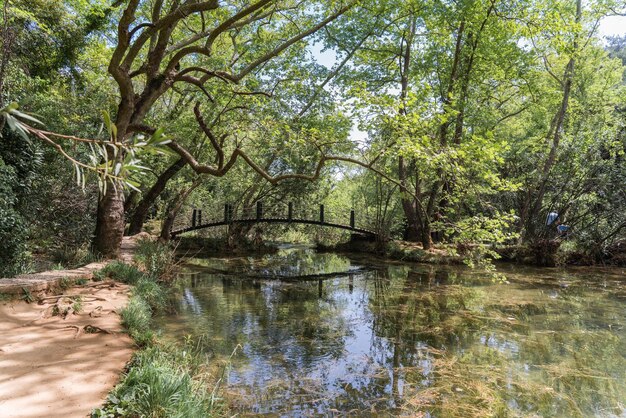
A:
(50, 369)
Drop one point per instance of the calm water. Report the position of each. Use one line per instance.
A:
(320, 334)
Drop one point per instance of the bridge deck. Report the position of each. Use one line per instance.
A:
(274, 220)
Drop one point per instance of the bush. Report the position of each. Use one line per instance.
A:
(155, 258)
(71, 257)
(14, 258)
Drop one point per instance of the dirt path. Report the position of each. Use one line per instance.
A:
(47, 368)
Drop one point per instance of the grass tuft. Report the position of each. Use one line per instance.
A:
(119, 271)
(159, 384)
(162, 380)
(155, 259)
(137, 318)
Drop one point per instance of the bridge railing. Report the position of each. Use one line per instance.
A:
(287, 211)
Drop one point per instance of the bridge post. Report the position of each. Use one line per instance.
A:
(290, 211)
(226, 212)
(322, 213)
(259, 210)
(199, 216)
(352, 219)
(231, 210)
(193, 217)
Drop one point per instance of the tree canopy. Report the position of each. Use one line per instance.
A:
(448, 122)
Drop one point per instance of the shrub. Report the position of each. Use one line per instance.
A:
(14, 258)
(69, 256)
(155, 258)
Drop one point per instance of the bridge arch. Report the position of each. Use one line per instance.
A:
(195, 222)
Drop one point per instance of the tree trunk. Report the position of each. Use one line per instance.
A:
(109, 222)
(174, 207)
(427, 241)
(409, 205)
(532, 206)
(143, 207)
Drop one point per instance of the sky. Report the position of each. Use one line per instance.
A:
(609, 26)
(613, 26)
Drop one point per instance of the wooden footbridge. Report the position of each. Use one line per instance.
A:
(276, 215)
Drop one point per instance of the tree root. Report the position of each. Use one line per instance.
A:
(106, 283)
(92, 329)
(77, 328)
(85, 298)
(87, 329)
(109, 284)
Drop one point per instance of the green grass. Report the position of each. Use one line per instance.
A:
(162, 380)
(119, 271)
(5, 297)
(77, 306)
(137, 318)
(27, 296)
(152, 292)
(65, 283)
(67, 257)
(155, 259)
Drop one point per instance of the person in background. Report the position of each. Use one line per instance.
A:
(563, 230)
(553, 218)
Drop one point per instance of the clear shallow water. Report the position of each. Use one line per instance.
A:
(367, 337)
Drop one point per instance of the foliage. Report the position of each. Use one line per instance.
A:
(120, 271)
(456, 112)
(13, 230)
(155, 258)
(163, 381)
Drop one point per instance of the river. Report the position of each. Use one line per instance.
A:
(323, 334)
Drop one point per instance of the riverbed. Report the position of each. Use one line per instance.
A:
(301, 333)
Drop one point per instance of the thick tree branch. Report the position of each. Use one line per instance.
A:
(214, 142)
(276, 51)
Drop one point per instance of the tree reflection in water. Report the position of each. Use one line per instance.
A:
(402, 339)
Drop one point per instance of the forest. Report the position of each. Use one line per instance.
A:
(451, 124)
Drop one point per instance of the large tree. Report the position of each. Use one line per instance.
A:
(167, 42)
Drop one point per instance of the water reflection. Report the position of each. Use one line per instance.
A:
(399, 339)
